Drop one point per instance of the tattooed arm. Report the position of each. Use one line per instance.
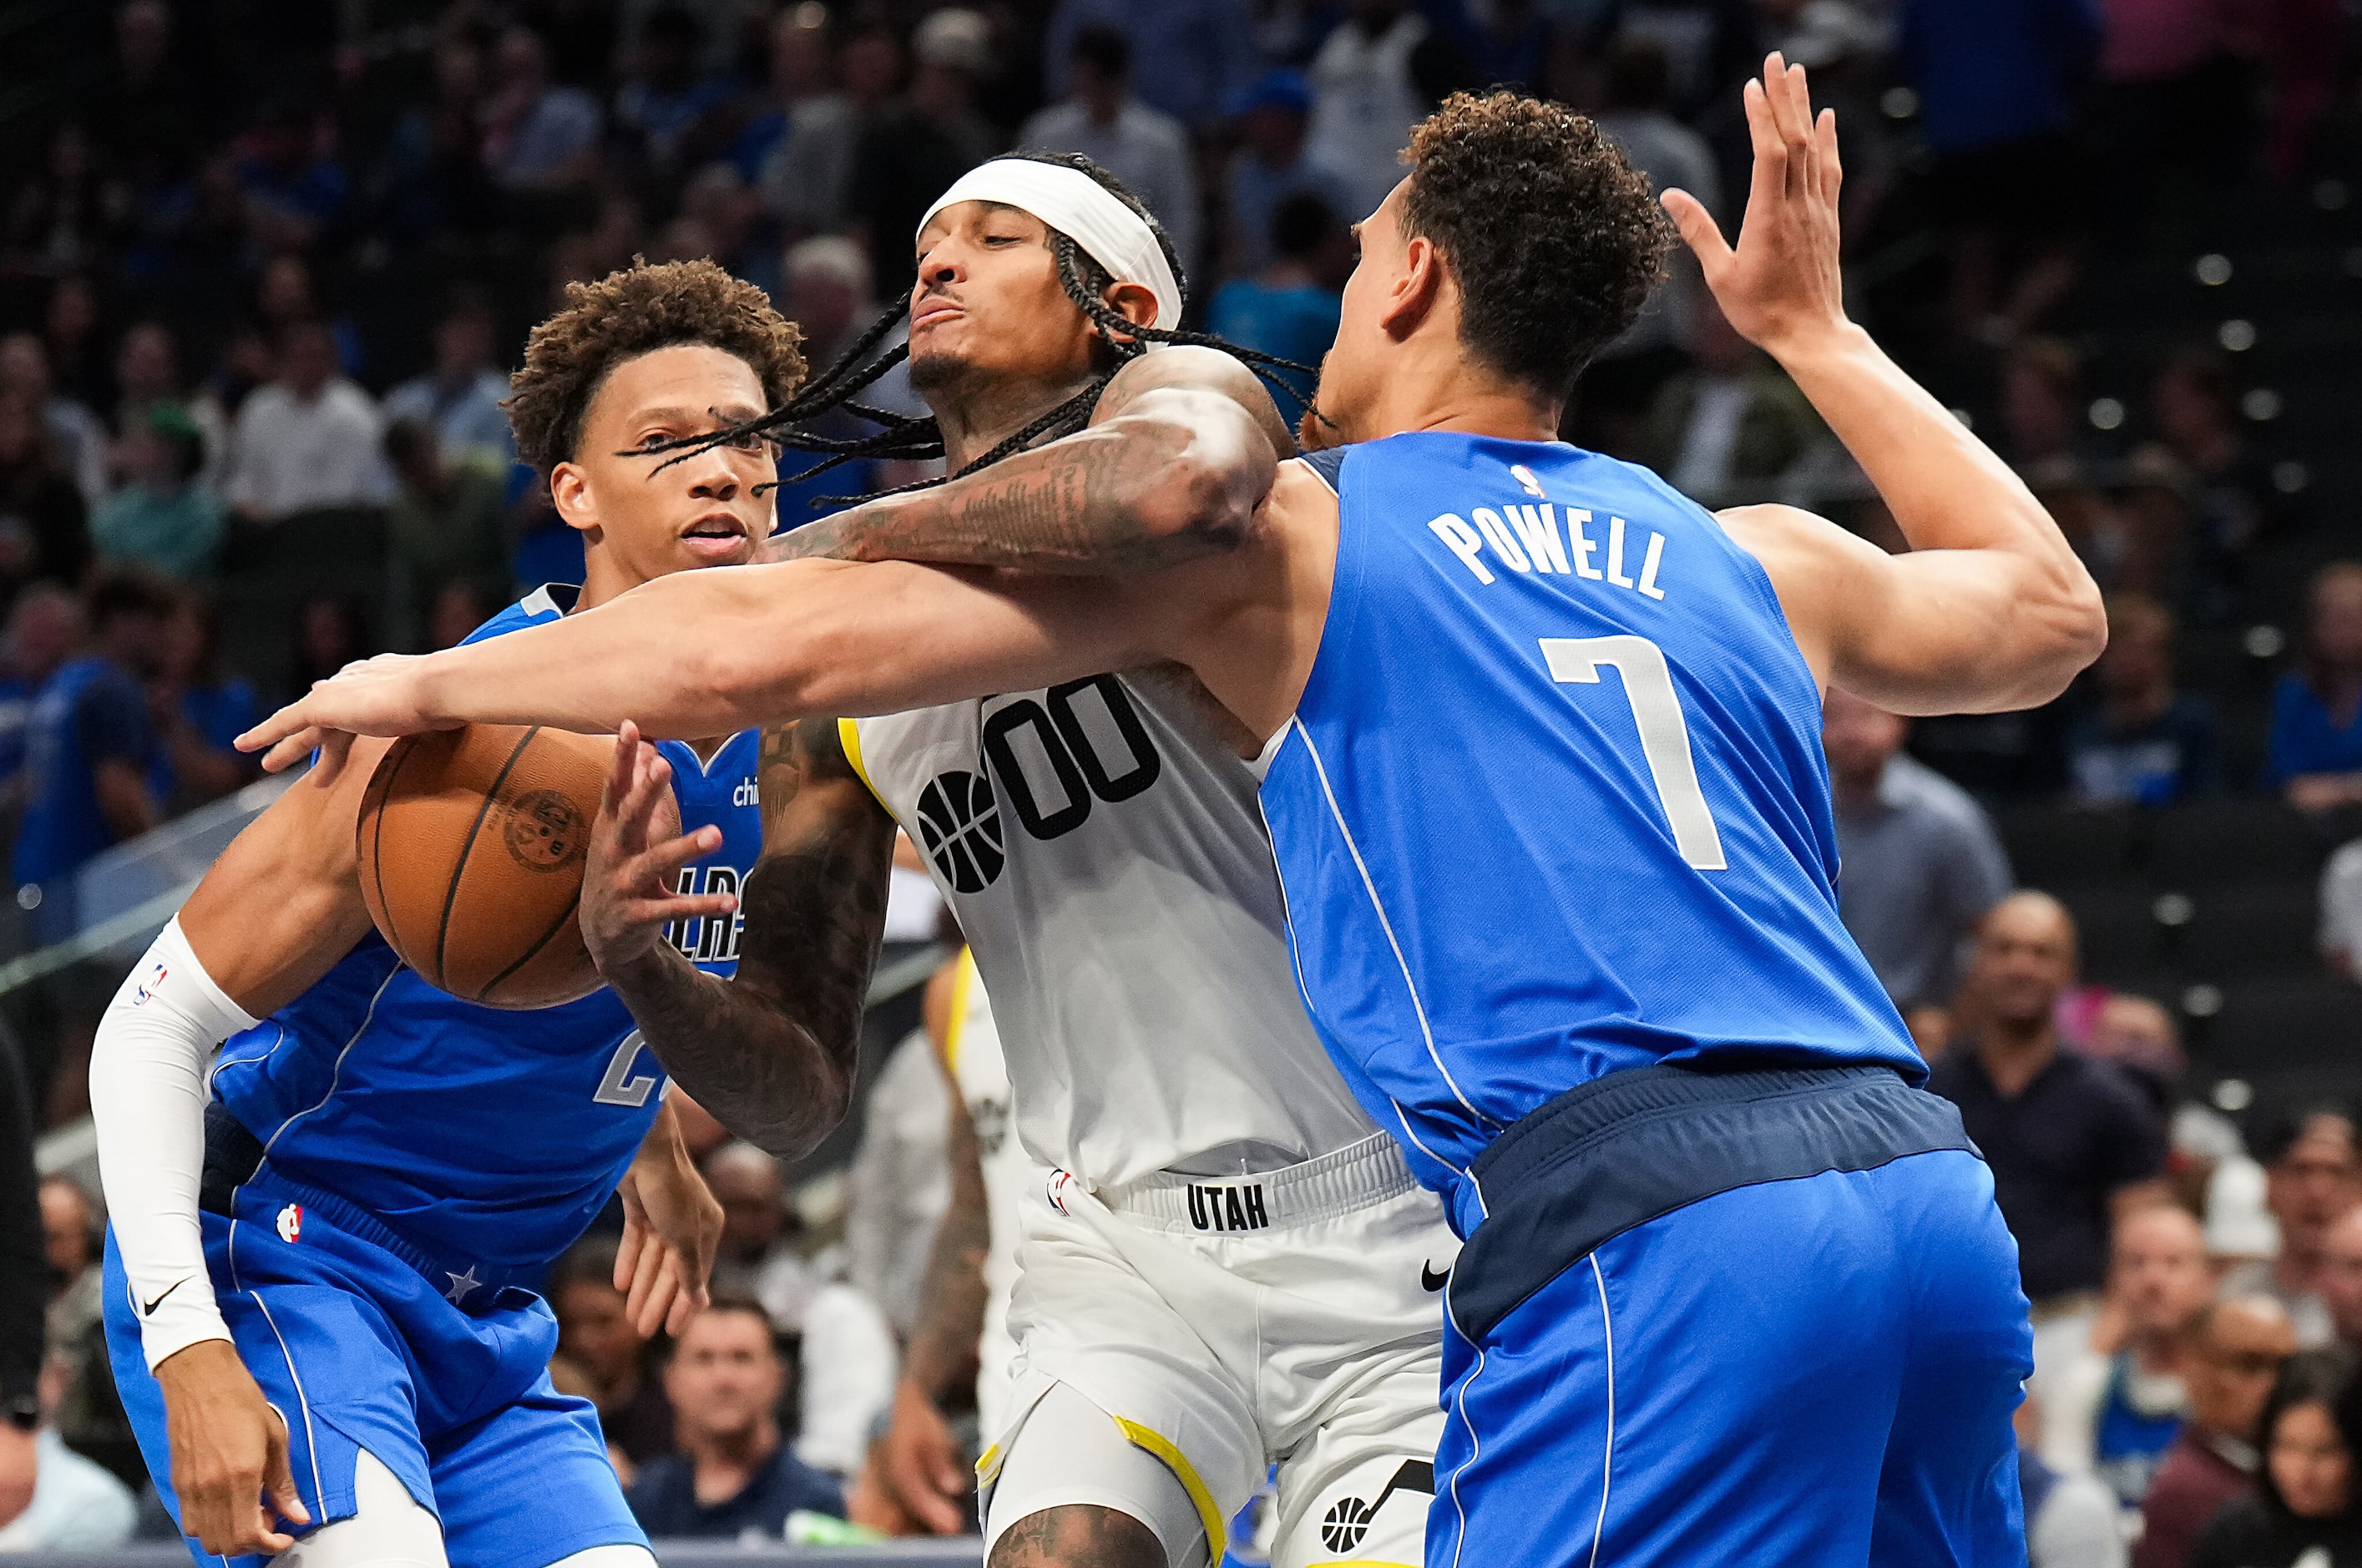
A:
(917, 1460)
(1179, 453)
(771, 1052)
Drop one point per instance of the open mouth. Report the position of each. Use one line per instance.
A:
(716, 534)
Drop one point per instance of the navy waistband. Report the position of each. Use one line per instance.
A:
(1625, 1149)
(233, 1160)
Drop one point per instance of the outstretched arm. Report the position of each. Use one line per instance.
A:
(1179, 453)
(1992, 610)
(771, 1052)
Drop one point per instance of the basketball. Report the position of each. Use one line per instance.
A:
(472, 844)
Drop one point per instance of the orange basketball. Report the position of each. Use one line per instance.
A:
(472, 842)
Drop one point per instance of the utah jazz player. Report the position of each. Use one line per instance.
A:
(320, 1286)
(1543, 772)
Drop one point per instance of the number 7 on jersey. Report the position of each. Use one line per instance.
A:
(1664, 734)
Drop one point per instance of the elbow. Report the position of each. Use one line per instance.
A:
(1206, 494)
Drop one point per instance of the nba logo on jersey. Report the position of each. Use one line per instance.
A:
(150, 985)
(291, 1223)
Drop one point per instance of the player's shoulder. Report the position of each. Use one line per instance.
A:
(548, 603)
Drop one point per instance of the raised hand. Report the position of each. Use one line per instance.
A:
(1780, 286)
(229, 1453)
(629, 884)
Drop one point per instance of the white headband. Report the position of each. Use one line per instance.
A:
(1082, 209)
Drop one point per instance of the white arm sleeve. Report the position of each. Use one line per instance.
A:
(147, 1093)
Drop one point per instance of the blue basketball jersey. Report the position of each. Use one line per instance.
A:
(474, 1131)
(1553, 804)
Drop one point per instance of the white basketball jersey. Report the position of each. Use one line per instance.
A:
(1105, 854)
(972, 1051)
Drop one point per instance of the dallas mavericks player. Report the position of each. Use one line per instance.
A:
(1543, 780)
(320, 1286)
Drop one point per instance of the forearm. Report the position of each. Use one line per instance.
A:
(1140, 491)
(1948, 490)
(772, 1053)
(952, 1293)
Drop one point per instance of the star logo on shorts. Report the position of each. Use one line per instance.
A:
(461, 1284)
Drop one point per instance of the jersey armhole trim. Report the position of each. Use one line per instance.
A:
(1168, 1452)
(848, 736)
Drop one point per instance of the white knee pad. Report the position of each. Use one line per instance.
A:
(388, 1528)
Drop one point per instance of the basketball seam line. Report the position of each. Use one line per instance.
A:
(467, 848)
(534, 951)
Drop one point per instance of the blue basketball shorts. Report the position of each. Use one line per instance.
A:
(357, 1349)
(1814, 1364)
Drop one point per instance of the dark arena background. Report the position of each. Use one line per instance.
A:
(266, 265)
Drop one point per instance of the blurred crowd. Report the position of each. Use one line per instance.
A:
(265, 265)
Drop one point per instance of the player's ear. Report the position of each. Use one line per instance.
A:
(1136, 302)
(570, 491)
(1416, 289)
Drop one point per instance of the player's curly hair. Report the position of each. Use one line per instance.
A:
(632, 311)
(1555, 238)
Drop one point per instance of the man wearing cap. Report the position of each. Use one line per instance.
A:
(1272, 115)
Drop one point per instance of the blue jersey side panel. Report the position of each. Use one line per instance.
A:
(478, 1133)
(1497, 891)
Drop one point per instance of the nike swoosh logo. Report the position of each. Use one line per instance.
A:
(150, 1310)
(1430, 1280)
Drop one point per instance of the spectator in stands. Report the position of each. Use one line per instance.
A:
(826, 280)
(1203, 50)
(2194, 404)
(307, 442)
(148, 373)
(2116, 1414)
(460, 397)
(667, 99)
(1144, 148)
(2316, 735)
(76, 1506)
(798, 75)
(2314, 1180)
(594, 1334)
(200, 709)
(80, 438)
(2071, 1143)
(1638, 114)
(2143, 742)
(1380, 71)
(731, 1474)
(458, 608)
(69, 1231)
(914, 150)
(431, 186)
(146, 115)
(2236, 1348)
(538, 136)
(70, 334)
(2340, 1280)
(162, 515)
(23, 1301)
(45, 628)
(1272, 115)
(296, 189)
(90, 748)
(446, 522)
(287, 297)
(756, 1256)
(330, 633)
(2042, 416)
(1919, 863)
(2302, 1513)
(1290, 308)
(44, 528)
(2339, 935)
(1734, 428)
(804, 181)
(1996, 85)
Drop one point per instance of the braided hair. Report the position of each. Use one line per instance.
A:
(916, 438)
